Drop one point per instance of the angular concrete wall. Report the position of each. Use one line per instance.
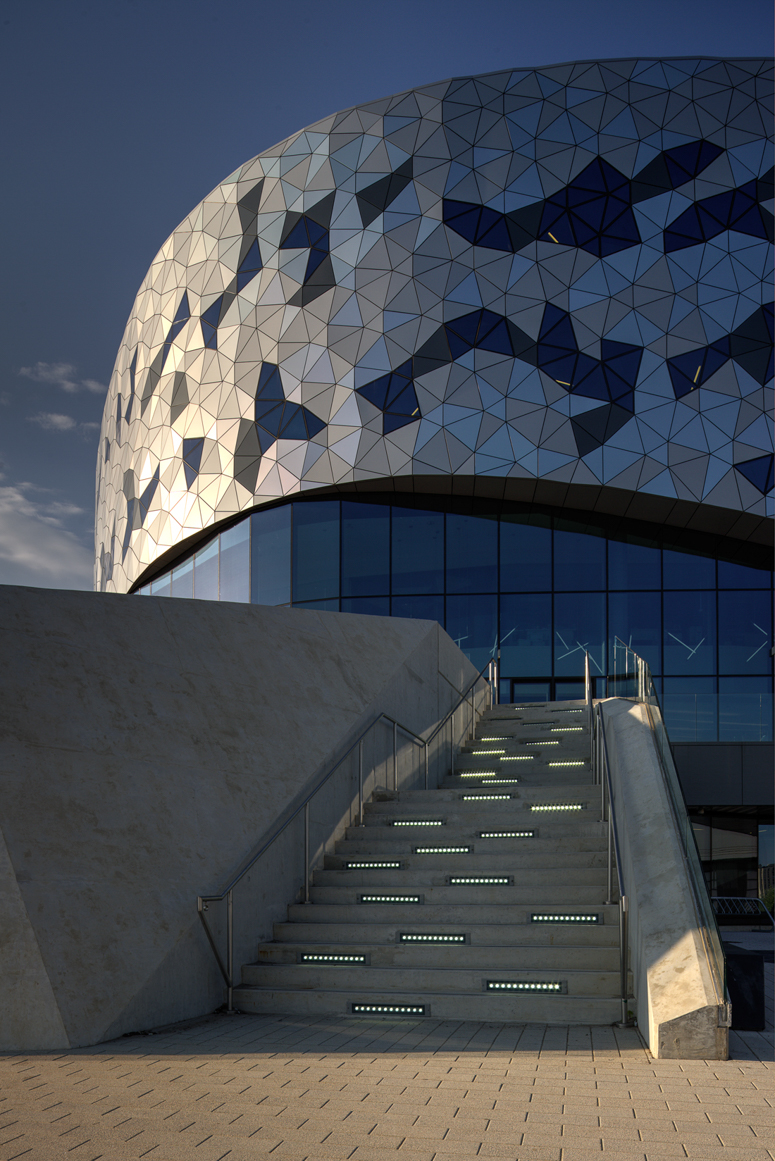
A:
(148, 745)
(677, 1007)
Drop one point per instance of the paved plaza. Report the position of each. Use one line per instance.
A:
(290, 1088)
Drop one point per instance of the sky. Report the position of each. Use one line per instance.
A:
(119, 116)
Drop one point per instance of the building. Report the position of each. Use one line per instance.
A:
(495, 351)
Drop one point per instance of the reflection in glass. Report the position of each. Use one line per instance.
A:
(472, 554)
(633, 564)
(206, 572)
(161, 587)
(684, 570)
(330, 606)
(315, 551)
(745, 632)
(235, 563)
(372, 606)
(690, 707)
(739, 576)
(472, 625)
(183, 579)
(636, 619)
(579, 625)
(526, 554)
(418, 551)
(270, 556)
(530, 691)
(570, 691)
(526, 635)
(423, 607)
(745, 709)
(365, 549)
(690, 632)
(579, 560)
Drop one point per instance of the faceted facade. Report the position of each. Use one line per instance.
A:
(543, 285)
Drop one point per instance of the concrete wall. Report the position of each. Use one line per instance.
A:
(725, 773)
(148, 746)
(677, 1007)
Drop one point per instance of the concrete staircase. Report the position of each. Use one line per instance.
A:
(507, 921)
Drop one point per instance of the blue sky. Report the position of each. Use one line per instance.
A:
(120, 115)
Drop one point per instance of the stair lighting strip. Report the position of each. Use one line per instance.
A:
(557, 806)
(443, 850)
(541, 918)
(480, 880)
(485, 797)
(566, 729)
(390, 899)
(368, 866)
(417, 822)
(411, 937)
(554, 742)
(477, 773)
(524, 986)
(333, 959)
(389, 1009)
(485, 753)
(494, 739)
(579, 762)
(507, 834)
(500, 781)
(518, 758)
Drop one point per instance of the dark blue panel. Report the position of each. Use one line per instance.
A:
(526, 634)
(365, 549)
(370, 606)
(689, 632)
(744, 632)
(525, 554)
(417, 551)
(270, 556)
(472, 554)
(635, 618)
(423, 608)
(740, 576)
(759, 471)
(298, 239)
(579, 560)
(634, 564)
(684, 570)
(472, 623)
(395, 395)
(579, 626)
(315, 551)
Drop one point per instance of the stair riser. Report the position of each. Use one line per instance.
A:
(501, 1008)
(581, 847)
(507, 856)
(553, 895)
(451, 914)
(431, 979)
(455, 828)
(490, 935)
(521, 799)
(454, 956)
(421, 878)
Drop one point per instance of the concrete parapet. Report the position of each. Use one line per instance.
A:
(678, 1009)
(148, 747)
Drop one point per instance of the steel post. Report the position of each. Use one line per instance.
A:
(395, 756)
(306, 852)
(230, 952)
(360, 783)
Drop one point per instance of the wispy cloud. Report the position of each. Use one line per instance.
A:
(62, 375)
(51, 421)
(35, 546)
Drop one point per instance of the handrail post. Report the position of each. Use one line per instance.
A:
(623, 955)
(452, 744)
(230, 952)
(610, 858)
(306, 852)
(360, 782)
(395, 757)
(426, 765)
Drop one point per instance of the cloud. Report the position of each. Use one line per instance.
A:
(62, 375)
(35, 547)
(51, 421)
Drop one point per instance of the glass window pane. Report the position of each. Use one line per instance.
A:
(633, 564)
(739, 576)
(579, 625)
(365, 549)
(206, 572)
(690, 706)
(315, 551)
(161, 586)
(418, 551)
(636, 619)
(235, 563)
(745, 709)
(183, 579)
(569, 691)
(472, 625)
(145, 591)
(270, 556)
(744, 632)
(526, 554)
(683, 570)
(472, 554)
(424, 608)
(372, 606)
(690, 633)
(579, 560)
(526, 635)
(331, 606)
(530, 691)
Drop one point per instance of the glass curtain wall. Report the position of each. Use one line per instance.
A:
(535, 588)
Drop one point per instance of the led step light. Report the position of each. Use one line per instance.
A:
(390, 899)
(417, 822)
(485, 797)
(557, 806)
(443, 850)
(507, 834)
(541, 918)
(389, 1009)
(332, 959)
(411, 937)
(524, 986)
(367, 866)
(480, 880)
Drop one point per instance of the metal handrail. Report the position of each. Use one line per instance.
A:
(227, 969)
(603, 767)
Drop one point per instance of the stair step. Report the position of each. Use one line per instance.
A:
(480, 957)
(421, 878)
(491, 935)
(449, 914)
(510, 855)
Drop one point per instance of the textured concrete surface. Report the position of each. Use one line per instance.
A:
(326, 1089)
(148, 747)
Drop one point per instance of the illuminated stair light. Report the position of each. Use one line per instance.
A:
(524, 986)
(573, 762)
(443, 850)
(518, 758)
(500, 834)
(567, 729)
(480, 880)
(332, 959)
(557, 806)
(477, 773)
(411, 937)
(501, 781)
(417, 822)
(367, 866)
(553, 742)
(390, 899)
(389, 1009)
(485, 753)
(540, 917)
(485, 797)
